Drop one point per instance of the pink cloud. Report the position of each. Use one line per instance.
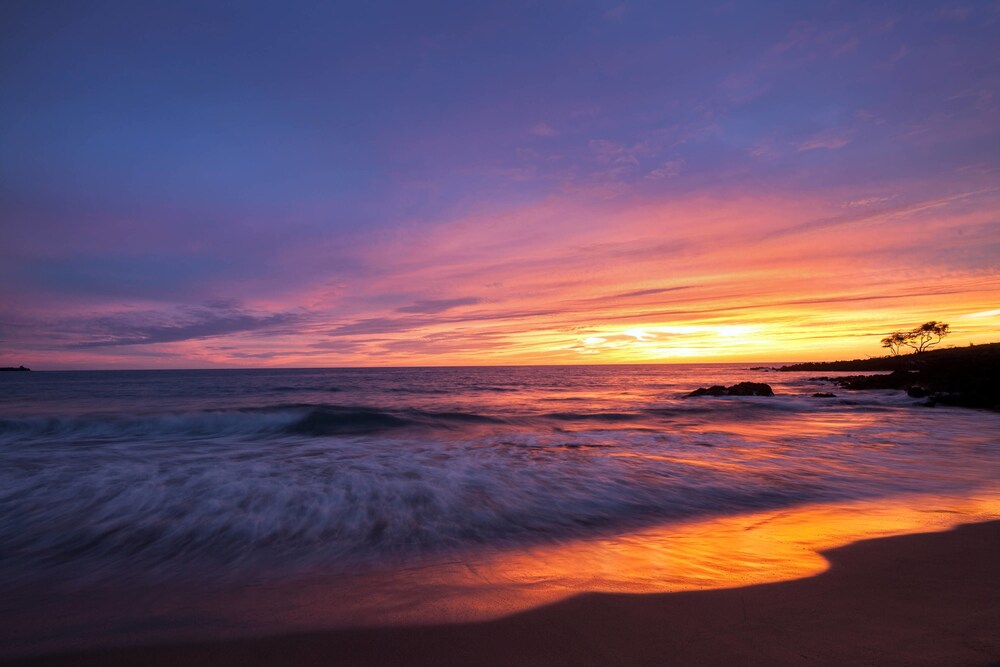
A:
(543, 130)
(667, 169)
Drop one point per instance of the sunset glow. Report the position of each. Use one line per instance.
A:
(633, 194)
(729, 552)
(518, 332)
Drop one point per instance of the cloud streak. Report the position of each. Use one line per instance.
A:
(427, 306)
(190, 324)
(467, 189)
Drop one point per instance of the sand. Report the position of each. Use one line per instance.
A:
(930, 599)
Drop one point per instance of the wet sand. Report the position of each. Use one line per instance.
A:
(931, 598)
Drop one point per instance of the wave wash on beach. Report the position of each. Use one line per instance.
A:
(419, 495)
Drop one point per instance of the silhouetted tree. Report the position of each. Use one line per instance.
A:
(922, 338)
(894, 342)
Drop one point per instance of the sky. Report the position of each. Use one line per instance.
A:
(305, 184)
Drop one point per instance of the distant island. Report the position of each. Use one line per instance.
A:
(14, 368)
(960, 376)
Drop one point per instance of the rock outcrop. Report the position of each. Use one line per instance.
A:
(963, 376)
(740, 389)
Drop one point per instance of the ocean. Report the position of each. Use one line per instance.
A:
(126, 481)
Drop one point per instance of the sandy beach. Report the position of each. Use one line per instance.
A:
(914, 599)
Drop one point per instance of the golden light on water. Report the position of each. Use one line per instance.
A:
(714, 553)
(732, 551)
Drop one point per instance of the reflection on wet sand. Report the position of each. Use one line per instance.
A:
(724, 552)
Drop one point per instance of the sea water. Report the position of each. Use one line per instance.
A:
(146, 480)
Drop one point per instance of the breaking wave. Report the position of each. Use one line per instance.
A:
(276, 489)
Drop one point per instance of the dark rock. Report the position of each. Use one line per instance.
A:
(961, 377)
(825, 394)
(14, 368)
(714, 390)
(893, 380)
(751, 389)
(740, 389)
(984, 400)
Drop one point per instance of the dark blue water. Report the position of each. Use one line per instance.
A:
(187, 475)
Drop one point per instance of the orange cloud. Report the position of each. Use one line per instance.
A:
(699, 279)
(762, 277)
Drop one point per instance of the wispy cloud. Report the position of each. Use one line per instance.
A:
(148, 328)
(879, 215)
(428, 306)
(658, 178)
(543, 130)
(666, 170)
(830, 139)
(869, 201)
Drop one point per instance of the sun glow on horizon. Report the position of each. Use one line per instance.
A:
(656, 342)
(755, 209)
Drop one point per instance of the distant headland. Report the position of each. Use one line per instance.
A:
(960, 376)
(14, 368)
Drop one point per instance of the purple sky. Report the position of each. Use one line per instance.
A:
(189, 184)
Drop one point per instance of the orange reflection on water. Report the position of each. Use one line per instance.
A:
(722, 552)
(796, 426)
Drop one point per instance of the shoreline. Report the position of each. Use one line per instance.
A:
(916, 598)
(960, 377)
(745, 493)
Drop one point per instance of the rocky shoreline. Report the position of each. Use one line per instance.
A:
(964, 377)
